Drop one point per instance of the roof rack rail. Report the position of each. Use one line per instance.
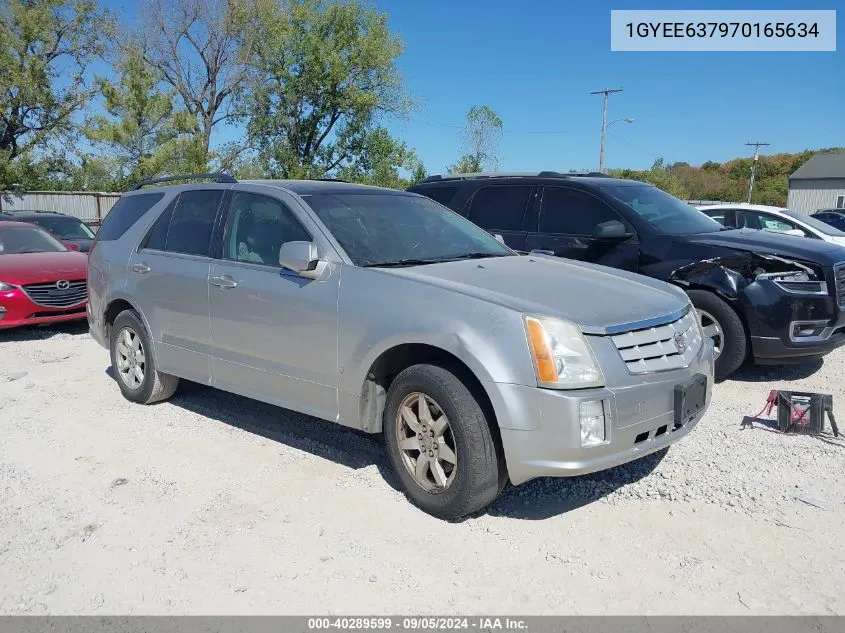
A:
(215, 176)
(521, 174)
(329, 179)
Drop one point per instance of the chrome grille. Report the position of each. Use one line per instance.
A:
(839, 285)
(661, 348)
(56, 295)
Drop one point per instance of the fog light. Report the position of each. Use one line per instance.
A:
(593, 426)
(809, 331)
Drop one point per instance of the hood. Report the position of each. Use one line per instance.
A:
(33, 268)
(770, 243)
(596, 298)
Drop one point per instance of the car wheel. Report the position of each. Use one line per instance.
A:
(133, 362)
(440, 444)
(723, 326)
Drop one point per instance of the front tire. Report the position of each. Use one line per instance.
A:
(439, 443)
(723, 325)
(134, 364)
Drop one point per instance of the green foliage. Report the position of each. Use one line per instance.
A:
(143, 131)
(200, 48)
(323, 75)
(480, 140)
(658, 175)
(45, 48)
(379, 165)
(727, 181)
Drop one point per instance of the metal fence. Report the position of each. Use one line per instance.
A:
(90, 207)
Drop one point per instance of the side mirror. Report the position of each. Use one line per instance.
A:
(797, 232)
(613, 230)
(302, 258)
(71, 246)
(498, 238)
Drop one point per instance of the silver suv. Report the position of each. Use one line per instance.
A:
(384, 311)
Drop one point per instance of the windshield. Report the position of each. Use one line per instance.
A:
(814, 223)
(664, 212)
(376, 229)
(65, 228)
(25, 239)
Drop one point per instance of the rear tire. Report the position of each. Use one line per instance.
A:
(134, 364)
(430, 415)
(722, 323)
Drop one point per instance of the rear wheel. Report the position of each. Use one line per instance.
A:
(133, 362)
(722, 325)
(439, 443)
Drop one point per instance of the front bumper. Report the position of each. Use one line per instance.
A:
(641, 422)
(776, 320)
(17, 310)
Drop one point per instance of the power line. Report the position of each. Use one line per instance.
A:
(504, 131)
(606, 92)
(756, 145)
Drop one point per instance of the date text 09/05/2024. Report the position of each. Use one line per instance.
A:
(722, 29)
(417, 623)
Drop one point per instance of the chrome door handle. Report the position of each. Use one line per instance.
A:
(141, 268)
(223, 282)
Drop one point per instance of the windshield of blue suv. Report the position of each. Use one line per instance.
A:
(65, 228)
(664, 212)
(401, 229)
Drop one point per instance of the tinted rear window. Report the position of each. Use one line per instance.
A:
(192, 222)
(125, 213)
(500, 207)
(443, 195)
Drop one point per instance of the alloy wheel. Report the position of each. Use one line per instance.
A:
(131, 360)
(426, 442)
(712, 330)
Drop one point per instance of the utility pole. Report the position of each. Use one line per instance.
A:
(756, 146)
(606, 92)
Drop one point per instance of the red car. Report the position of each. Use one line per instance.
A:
(41, 280)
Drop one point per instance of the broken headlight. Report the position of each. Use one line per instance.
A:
(797, 282)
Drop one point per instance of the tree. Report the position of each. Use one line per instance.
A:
(480, 141)
(143, 131)
(323, 76)
(382, 161)
(200, 48)
(45, 48)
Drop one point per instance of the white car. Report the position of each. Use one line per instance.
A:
(740, 215)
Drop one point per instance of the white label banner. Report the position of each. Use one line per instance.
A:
(729, 30)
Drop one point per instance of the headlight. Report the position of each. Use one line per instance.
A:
(796, 282)
(4, 286)
(562, 358)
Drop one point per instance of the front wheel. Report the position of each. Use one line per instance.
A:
(439, 443)
(723, 326)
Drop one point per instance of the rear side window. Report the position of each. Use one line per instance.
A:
(125, 213)
(572, 212)
(443, 195)
(192, 222)
(156, 237)
(500, 208)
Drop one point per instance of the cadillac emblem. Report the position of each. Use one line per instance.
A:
(63, 284)
(680, 342)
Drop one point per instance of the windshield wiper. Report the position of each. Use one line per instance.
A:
(401, 262)
(470, 256)
(432, 260)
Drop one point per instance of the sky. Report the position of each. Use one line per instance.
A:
(535, 63)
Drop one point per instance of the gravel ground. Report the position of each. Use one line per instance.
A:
(212, 503)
